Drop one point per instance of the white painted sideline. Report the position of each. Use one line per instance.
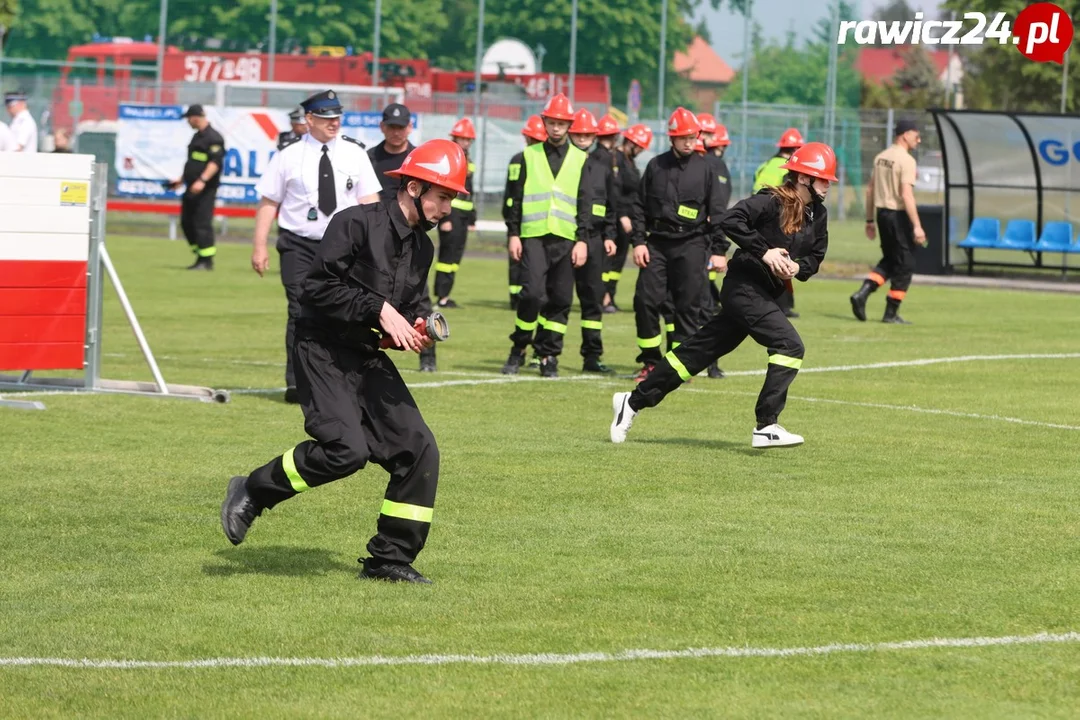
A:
(546, 658)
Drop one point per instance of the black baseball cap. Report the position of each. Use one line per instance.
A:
(194, 111)
(396, 114)
(905, 124)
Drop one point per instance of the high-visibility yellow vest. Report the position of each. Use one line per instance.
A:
(769, 173)
(549, 204)
(462, 202)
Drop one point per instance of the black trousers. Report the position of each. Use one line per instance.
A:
(678, 267)
(590, 292)
(897, 250)
(547, 292)
(613, 266)
(451, 250)
(296, 253)
(747, 310)
(515, 277)
(197, 221)
(357, 409)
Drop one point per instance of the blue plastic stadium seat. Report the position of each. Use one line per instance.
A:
(1057, 237)
(1019, 235)
(983, 233)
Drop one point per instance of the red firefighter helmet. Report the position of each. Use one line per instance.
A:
(707, 122)
(682, 123)
(699, 146)
(534, 128)
(640, 135)
(608, 126)
(814, 159)
(720, 137)
(439, 162)
(584, 123)
(558, 108)
(791, 138)
(463, 128)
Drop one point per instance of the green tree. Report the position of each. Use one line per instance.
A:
(915, 85)
(787, 74)
(9, 10)
(998, 77)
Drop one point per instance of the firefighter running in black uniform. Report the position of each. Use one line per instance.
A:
(892, 192)
(770, 174)
(782, 233)
(298, 120)
(534, 133)
(596, 226)
(543, 235)
(636, 140)
(364, 293)
(676, 226)
(454, 230)
(202, 176)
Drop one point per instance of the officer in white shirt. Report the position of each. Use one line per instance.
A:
(311, 179)
(23, 126)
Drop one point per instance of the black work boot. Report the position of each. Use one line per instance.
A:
(715, 372)
(514, 362)
(892, 305)
(593, 365)
(292, 396)
(238, 511)
(549, 366)
(513, 301)
(427, 359)
(202, 263)
(858, 300)
(393, 572)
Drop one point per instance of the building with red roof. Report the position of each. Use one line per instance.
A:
(707, 72)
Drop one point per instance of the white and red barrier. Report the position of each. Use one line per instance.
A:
(44, 230)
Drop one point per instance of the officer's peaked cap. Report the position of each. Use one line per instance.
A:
(325, 105)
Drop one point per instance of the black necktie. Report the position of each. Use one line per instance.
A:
(327, 194)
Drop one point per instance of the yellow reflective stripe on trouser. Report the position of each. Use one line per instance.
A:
(406, 511)
(446, 267)
(785, 361)
(614, 275)
(592, 324)
(515, 289)
(677, 366)
(527, 326)
(555, 327)
(206, 252)
(670, 327)
(649, 342)
(712, 274)
(289, 465)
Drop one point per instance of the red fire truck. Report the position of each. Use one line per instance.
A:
(108, 73)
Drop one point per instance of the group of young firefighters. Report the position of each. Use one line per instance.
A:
(573, 212)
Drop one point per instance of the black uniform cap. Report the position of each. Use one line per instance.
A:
(323, 105)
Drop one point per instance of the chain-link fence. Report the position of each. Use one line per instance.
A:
(86, 106)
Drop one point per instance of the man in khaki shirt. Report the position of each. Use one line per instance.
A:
(891, 192)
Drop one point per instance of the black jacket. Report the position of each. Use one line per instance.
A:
(754, 225)
(679, 199)
(513, 189)
(597, 187)
(627, 184)
(369, 255)
(206, 146)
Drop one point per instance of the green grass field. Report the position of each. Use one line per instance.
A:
(933, 500)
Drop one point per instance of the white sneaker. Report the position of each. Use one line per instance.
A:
(623, 416)
(769, 436)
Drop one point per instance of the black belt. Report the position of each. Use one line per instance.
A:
(669, 227)
(290, 233)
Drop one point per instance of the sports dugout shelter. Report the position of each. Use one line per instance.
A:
(1012, 185)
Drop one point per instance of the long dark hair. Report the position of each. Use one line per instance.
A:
(792, 206)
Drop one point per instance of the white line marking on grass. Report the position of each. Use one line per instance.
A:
(906, 408)
(547, 658)
(917, 363)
